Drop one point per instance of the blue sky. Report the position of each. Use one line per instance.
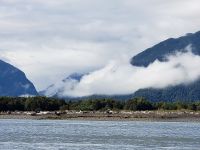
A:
(50, 39)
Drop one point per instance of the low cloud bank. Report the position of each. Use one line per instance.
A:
(120, 77)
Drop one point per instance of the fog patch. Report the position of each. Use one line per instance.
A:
(120, 77)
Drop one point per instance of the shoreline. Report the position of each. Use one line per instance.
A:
(157, 116)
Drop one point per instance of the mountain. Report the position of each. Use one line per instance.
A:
(159, 51)
(167, 47)
(58, 89)
(13, 82)
(189, 92)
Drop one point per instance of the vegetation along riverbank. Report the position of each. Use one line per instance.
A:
(97, 109)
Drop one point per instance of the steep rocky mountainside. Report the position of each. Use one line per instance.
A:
(13, 82)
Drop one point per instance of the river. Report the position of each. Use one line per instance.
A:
(98, 135)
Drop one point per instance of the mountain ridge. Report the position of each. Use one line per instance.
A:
(13, 82)
(57, 89)
(159, 52)
(166, 47)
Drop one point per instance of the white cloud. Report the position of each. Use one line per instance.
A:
(49, 39)
(119, 77)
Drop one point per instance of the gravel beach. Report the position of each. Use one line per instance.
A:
(182, 116)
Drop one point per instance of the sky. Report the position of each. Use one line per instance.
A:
(50, 39)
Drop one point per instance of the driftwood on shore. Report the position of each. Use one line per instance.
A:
(105, 115)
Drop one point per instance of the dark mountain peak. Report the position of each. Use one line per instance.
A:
(13, 82)
(167, 47)
(159, 52)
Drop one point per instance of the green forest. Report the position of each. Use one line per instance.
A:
(52, 104)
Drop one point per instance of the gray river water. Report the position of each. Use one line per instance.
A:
(98, 135)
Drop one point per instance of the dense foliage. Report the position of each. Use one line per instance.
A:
(52, 104)
(30, 104)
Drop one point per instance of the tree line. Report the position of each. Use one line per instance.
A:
(40, 103)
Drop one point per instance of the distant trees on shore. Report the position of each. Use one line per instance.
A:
(30, 104)
(51, 104)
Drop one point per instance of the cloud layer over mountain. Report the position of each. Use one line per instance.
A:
(49, 39)
(120, 77)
